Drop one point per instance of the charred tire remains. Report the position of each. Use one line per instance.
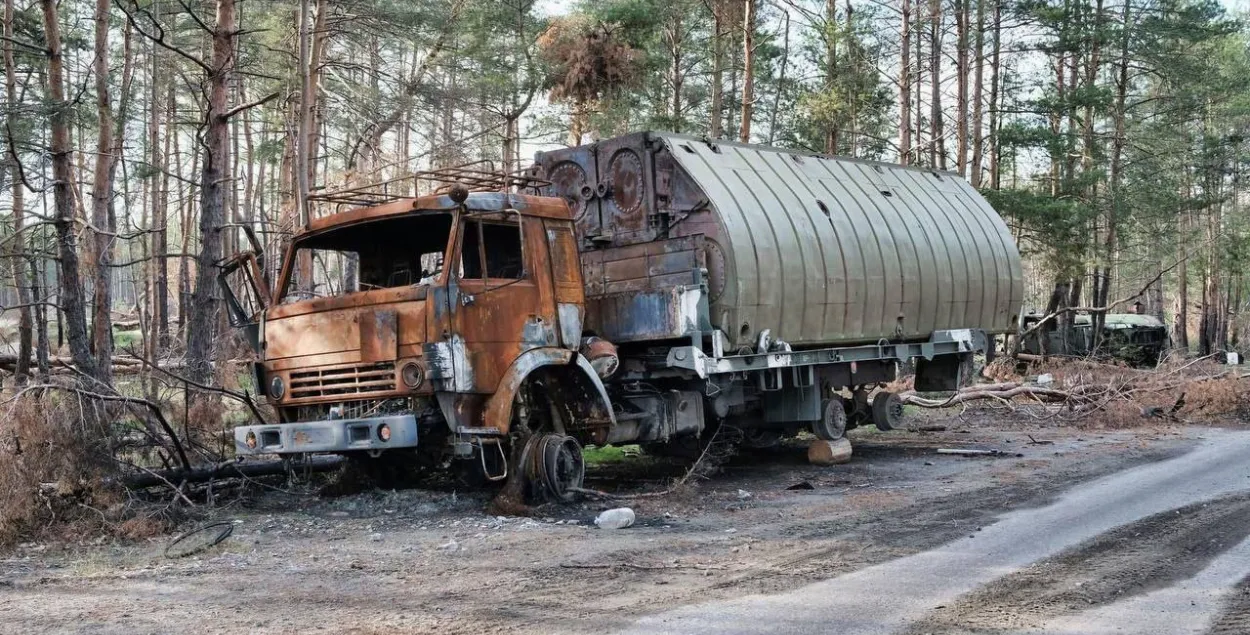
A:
(554, 466)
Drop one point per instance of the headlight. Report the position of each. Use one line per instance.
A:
(277, 387)
(412, 375)
(384, 433)
(251, 440)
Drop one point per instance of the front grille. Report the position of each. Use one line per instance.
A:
(343, 380)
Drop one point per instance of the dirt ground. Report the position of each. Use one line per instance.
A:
(419, 561)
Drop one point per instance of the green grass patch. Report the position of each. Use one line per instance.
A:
(609, 454)
(123, 340)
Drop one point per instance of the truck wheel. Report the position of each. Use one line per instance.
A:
(832, 424)
(555, 467)
(887, 411)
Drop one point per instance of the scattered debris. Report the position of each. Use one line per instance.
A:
(198, 539)
(618, 518)
(802, 485)
(975, 452)
(743, 495)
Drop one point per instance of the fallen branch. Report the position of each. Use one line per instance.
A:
(230, 470)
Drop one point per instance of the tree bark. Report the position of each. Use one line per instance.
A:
(962, 14)
(748, 69)
(21, 277)
(831, 71)
(781, 81)
(937, 147)
(202, 327)
(716, 126)
(996, 84)
(904, 88)
(978, 85)
(71, 292)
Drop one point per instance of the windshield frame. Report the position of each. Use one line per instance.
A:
(288, 258)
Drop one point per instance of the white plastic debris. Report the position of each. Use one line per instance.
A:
(743, 495)
(1045, 379)
(618, 518)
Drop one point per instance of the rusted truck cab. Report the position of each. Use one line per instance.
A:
(429, 315)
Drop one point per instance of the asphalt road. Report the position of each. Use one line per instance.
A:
(1160, 548)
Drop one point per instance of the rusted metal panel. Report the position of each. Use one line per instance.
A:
(646, 315)
(379, 334)
(819, 250)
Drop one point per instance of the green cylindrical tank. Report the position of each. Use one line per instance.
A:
(818, 250)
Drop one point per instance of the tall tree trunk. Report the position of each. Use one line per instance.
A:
(831, 70)
(781, 81)
(675, 36)
(918, 128)
(996, 86)
(748, 69)
(978, 85)
(201, 330)
(306, 130)
(1180, 334)
(716, 122)
(102, 201)
(962, 14)
(17, 255)
(71, 295)
(904, 88)
(937, 149)
(160, 248)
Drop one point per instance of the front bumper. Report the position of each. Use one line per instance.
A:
(332, 435)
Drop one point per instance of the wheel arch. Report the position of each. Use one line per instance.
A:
(574, 367)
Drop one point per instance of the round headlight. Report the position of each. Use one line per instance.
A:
(277, 387)
(413, 375)
(384, 433)
(251, 439)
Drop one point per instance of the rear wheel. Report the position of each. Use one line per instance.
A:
(887, 411)
(832, 423)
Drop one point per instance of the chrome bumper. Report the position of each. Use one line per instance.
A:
(333, 435)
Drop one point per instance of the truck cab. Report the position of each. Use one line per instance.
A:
(417, 323)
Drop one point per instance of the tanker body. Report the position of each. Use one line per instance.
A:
(650, 289)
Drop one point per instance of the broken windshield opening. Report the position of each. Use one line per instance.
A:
(381, 254)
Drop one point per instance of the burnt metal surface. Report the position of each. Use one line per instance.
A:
(819, 250)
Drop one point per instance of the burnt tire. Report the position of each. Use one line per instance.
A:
(887, 411)
(832, 423)
(554, 467)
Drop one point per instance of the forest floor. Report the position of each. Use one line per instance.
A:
(432, 560)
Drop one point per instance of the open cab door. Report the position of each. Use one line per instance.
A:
(245, 288)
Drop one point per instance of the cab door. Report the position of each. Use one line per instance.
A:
(503, 303)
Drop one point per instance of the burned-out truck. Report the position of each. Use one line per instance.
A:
(652, 289)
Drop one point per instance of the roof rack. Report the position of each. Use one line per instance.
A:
(478, 176)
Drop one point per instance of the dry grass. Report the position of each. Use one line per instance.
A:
(1181, 390)
(57, 479)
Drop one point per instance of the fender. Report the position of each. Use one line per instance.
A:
(498, 412)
